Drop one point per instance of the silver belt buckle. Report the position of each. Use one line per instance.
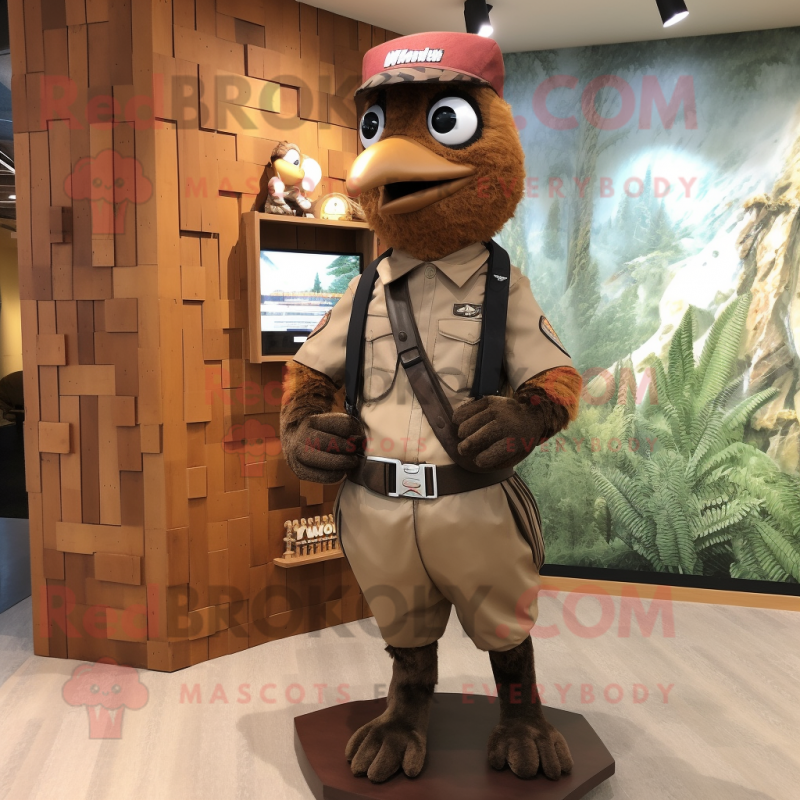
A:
(409, 479)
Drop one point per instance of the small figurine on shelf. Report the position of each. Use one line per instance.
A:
(302, 533)
(289, 539)
(294, 176)
(339, 206)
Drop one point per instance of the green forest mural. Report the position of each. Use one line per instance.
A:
(661, 234)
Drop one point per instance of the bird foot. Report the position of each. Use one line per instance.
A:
(384, 745)
(525, 745)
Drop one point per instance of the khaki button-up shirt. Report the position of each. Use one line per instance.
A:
(447, 298)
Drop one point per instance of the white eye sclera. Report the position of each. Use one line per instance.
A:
(452, 121)
(372, 124)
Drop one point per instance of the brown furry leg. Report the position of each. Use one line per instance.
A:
(524, 738)
(398, 737)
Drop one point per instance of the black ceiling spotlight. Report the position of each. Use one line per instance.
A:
(672, 11)
(476, 16)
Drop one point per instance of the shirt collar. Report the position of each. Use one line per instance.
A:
(459, 266)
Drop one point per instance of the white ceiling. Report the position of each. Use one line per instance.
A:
(545, 24)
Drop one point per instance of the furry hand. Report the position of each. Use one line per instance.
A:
(497, 432)
(323, 447)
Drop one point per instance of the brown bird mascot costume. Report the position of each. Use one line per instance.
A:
(431, 514)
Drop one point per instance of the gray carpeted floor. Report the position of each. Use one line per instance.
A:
(727, 729)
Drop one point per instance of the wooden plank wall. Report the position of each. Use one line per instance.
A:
(157, 489)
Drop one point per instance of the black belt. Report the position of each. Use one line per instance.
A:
(394, 478)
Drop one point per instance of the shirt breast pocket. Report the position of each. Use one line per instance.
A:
(380, 357)
(455, 352)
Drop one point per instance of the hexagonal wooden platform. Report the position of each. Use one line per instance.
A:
(456, 765)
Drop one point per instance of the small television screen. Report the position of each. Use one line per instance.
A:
(297, 288)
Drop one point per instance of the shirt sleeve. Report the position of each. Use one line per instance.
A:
(326, 346)
(532, 345)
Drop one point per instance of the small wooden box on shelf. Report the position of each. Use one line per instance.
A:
(303, 234)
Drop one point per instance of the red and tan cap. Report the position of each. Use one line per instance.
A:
(434, 57)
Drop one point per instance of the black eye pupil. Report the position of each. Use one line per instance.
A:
(444, 119)
(370, 124)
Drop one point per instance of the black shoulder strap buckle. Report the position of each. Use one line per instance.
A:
(407, 360)
(355, 334)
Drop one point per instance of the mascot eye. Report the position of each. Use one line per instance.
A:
(372, 124)
(116, 688)
(292, 157)
(453, 121)
(95, 688)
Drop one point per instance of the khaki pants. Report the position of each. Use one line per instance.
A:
(414, 559)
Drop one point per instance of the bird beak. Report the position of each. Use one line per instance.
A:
(410, 175)
(288, 173)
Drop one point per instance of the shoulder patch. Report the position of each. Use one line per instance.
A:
(321, 324)
(549, 331)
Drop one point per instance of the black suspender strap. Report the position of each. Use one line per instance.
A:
(355, 334)
(489, 366)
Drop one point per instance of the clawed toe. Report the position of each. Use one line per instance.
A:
(562, 752)
(414, 758)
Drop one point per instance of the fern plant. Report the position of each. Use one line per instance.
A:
(703, 501)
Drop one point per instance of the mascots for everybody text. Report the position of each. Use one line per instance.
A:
(453, 374)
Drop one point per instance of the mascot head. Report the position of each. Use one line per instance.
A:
(442, 166)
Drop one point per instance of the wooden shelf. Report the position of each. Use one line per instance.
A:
(334, 223)
(328, 555)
